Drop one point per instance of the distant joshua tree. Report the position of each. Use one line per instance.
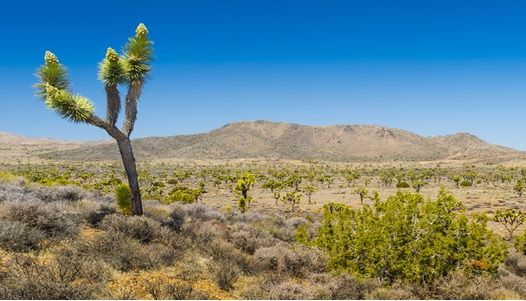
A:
(130, 69)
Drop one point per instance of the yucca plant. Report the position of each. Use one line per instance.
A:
(123, 197)
(131, 69)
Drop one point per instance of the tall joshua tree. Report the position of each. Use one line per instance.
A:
(130, 69)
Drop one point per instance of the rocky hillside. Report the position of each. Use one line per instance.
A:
(262, 139)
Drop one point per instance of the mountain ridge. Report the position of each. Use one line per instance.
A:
(280, 140)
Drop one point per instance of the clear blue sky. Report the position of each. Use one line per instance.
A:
(432, 67)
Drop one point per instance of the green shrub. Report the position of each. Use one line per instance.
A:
(123, 197)
(242, 204)
(466, 183)
(183, 194)
(402, 185)
(408, 238)
(520, 243)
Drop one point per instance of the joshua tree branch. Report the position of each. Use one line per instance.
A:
(134, 92)
(113, 103)
(112, 130)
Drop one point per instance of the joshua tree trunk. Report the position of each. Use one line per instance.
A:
(128, 160)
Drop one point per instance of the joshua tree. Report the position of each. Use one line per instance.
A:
(309, 190)
(519, 187)
(456, 179)
(351, 176)
(362, 192)
(293, 198)
(130, 69)
(245, 182)
(511, 219)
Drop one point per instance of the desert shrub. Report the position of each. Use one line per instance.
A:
(200, 233)
(513, 282)
(179, 292)
(123, 198)
(223, 251)
(295, 222)
(259, 289)
(174, 239)
(172, 181)
(342, 286)
(68, 275)
(28, 289)
(244, 241)
(466, 183)
(457, 286)
(94, 217)
(155, 210)
(60, 193)
(248, 217)
(16, 193)
(248, 239)
(402, 185)
(290, 290)
(175, 221)
(119, 251)
(160, 254)
(225, 274)
(123, 252)
(201, 212)
(396, 292)
(192, 267)
(140, 228)
(72, 263)
(283, 259)
(515, 262)
(160, 290)
(408, 238)
(16, 236)
(49, 218)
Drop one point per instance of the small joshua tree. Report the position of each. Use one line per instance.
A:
(277, 196)
(130, 69)
(519, 187)
(456, 179)
(362, 193)
(309, 190)
(511, 219)
(274, 186)
(292, 198)
(417, 184)
(243, 185)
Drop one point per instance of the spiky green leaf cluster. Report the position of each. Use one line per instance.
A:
(53, 73)
(53, 88)
(138, 55)
(123, 197)
(75, 108)
(111, 69)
